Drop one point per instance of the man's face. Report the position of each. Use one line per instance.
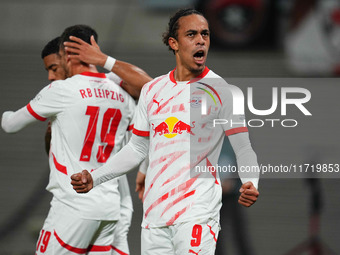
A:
(54, 67)
(192, 44)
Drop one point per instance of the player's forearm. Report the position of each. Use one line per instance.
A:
(144, 165)
(133, 77)
(12, 122)
(248, 166)
(127, 159)
(246, 158)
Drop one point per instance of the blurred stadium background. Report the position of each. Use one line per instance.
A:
(247, 43)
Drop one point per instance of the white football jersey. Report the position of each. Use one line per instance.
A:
(90, 115)
(182, 139)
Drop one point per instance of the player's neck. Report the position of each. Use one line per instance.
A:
(79, 68)
(183, 74)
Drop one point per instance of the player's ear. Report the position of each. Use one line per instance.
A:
(173, 43)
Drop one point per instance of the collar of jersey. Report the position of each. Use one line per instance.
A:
(98, 75)
(202, 75)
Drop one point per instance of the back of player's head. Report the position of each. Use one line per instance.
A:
(172, 30)
(52, 47)
(83, 32)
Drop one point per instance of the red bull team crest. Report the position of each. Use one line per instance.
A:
(172, 127)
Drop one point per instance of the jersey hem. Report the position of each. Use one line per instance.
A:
(147, 225)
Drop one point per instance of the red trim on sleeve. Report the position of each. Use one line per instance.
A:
(59, 166)
(34, 114)
(98, 75)
(236, 130)
(119, 251)
(140, 133)
(130, 128)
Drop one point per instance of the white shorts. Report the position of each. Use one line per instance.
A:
(120, 242)
(65, 233)
(183, 238)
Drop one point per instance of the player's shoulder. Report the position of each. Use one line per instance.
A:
(212, 74)
(158, 80)
(219, 85)
(219, 80)
(56, 85)
(154, 85)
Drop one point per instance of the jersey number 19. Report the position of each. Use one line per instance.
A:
(108, 131)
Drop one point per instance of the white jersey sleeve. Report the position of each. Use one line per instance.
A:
(12, 122)
(50, 101)
(141, 125)
(115, 78)
(246, 158)
(234, 125)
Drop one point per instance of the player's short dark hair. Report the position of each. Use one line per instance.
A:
(52, 47)
(83, 32)
(172, 30)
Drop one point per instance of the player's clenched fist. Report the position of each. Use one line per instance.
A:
(249, 194)
(82, 182)
(140, 184)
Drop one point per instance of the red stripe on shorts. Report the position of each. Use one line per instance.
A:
(119, 251)
(95, 248)
(213, 233)
(69, 247)
(92, 248)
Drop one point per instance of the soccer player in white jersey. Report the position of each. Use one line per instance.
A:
(90, 115)
(181, 206)
(52, 62)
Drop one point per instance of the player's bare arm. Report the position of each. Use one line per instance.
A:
(249, 194)
(133, 77)
(82, 182)
(140, 184)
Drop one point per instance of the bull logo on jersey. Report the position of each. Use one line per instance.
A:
(172, 127)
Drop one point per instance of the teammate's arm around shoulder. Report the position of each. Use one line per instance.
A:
(133, 77)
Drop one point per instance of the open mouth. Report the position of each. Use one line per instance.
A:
(199, 55)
